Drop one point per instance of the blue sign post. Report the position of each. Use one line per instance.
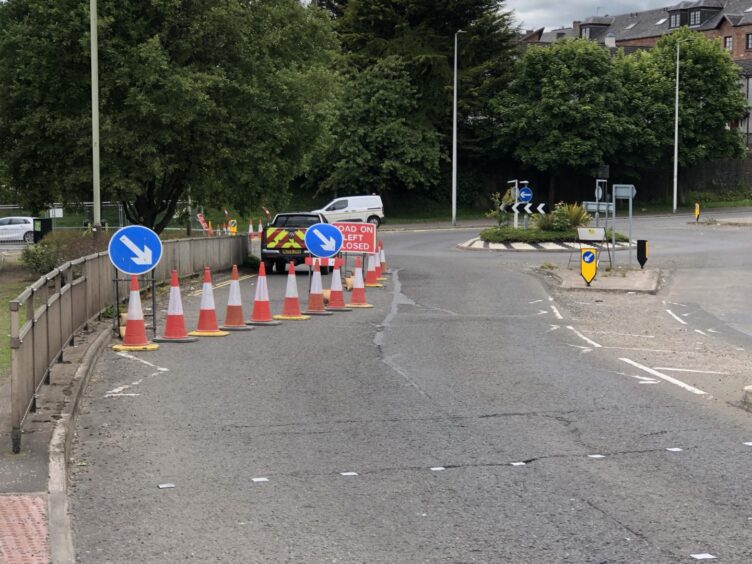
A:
(323, 240)
(135, 249)
(526, 194)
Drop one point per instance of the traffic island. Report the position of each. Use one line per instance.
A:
(747, 398)
(617, 280)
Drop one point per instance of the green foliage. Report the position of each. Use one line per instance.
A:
(228, 99)
(544, 222)
(501, 217)
(59, 247)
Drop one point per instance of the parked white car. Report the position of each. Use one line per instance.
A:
(354, 208)
(17, 229)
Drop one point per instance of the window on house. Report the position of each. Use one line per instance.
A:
(675, 20)
(749, 41)
(694, 17)
(585, 34)
(728, 42)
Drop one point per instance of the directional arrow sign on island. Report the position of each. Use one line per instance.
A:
(323, 240)
(135, 249)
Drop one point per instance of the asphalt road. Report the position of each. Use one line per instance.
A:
(475, 414)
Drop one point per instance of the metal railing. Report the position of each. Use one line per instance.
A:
(63, 301)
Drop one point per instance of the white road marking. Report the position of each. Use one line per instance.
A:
(553, 328)
(583, 337)
(582, 349)
(675, 449)
(437, 468)
(121, 395)
(595, 456)
(665, 377)
(639, 349)
(701, 332)
(620, 334)
(689, 370)
(703, 556)
(649, 382)
(535, 302)
(676, 303)
(166, 486)
(748, 444)
(348, 473)
(142, 361)
(679, 319)
(550, 299)
(542, 312)
(257, 480)
(712, 331)
(517, 464)
(556, 312)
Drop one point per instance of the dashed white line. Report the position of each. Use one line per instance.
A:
(703, 556)
(259, 480)
(517, 464)
(689, 370)
(679, 319)
(142, 361)
(556, 312)
(596, 456)
(703, 333)
(584, 338)
(535, 302)
(437, 468)
(675, 449)
(665, 377)
(348, 473)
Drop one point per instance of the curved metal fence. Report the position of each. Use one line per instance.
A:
(63, 301)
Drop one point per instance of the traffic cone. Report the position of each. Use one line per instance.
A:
(251, 234)
(382, 258)
(316, 293)
(371, 281)
(175, 325)
(234, 314)
(135, 330)
(262, 314)
(336, 295)
(207, 316)
(291, 309)
(358, 296)
(261, 229)
(377, 264)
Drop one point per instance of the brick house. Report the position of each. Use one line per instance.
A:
(728, 20)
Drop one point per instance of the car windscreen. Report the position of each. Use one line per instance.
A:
(296, 221)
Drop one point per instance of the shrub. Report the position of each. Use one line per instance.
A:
(544, 222)
(59, 247)
(568, 216)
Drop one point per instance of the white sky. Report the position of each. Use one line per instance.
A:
(551, 14)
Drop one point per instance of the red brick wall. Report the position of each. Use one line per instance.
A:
(644, 42)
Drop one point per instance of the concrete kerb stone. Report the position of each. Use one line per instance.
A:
(747, 398)
(477, 244)
(59, 523)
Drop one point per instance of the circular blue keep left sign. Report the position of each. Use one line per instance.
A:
(135, 249)
(323, 240)
(526, 194)
(588, 256)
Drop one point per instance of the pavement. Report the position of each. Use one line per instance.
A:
(27, 486)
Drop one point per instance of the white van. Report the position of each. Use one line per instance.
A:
(354, 208)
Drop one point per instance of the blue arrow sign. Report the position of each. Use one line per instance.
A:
(526, 194)
(135, 249)
(323, 240)
(588, 257)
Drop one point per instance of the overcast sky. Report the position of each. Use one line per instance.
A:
(551, 14)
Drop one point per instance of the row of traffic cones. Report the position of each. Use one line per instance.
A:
(175, 331)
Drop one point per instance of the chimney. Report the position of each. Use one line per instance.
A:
(576, 27)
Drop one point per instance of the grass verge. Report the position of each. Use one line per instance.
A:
(13, 279)
(512, 235)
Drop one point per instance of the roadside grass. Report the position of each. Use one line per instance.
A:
(532, 235)
(14, 277)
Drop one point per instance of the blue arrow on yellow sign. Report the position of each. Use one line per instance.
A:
(588, 264)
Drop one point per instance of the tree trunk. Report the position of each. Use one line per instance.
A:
(156, 204)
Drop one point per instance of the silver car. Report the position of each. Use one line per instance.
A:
(17, 229)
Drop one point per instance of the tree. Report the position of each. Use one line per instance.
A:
(228, 99)
(563, 110)
(420, 33)
(379, 143)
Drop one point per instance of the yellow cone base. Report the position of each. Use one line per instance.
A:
(236, 328)
(362, 306)
(374, 285)
(382, 279)
(123, 348)
(318, 313)
(292, 317)
(178, 340)
(209, 333)
(261, 323)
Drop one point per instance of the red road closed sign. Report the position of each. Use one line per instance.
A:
(357, 237)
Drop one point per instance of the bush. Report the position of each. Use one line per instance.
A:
(59, 247)
(567, 216)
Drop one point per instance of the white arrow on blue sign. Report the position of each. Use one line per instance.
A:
(526, 194)
(588, 257)
(135, 249)
(323, 240)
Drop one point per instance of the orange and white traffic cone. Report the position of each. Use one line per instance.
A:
(234, 314)
(316, 293)
(262, 313)
(377, 264)
(135, 330)
(371, 281)
(382, 258)
(175, 325)
(207, 316)
(358, 295)
(261, 229)
(291, 309)
(336, 295)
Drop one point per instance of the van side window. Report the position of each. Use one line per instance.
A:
(340, 205)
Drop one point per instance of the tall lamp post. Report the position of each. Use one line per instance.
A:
(454, 136)
(676, 124)
(95, 115)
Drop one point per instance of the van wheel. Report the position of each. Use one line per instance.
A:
(280, 266)
(374, 220)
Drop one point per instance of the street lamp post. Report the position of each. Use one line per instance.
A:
(454, 136)
(676, 125)
(95, 114)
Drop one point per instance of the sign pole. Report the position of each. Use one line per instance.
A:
(613, 226)
(630, 232)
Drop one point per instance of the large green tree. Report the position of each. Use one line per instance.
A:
(420, 34)
(226, 98)
(564, 110)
